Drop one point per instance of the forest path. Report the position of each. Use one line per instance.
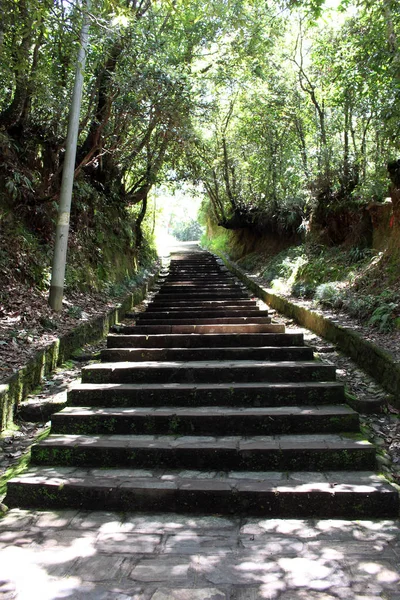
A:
(221, 413)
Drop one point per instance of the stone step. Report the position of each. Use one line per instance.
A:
(207, 394)
(217, 328)
(208, 262)
(207, 372)
(325, 452)
(194, 288)
(206, 282)
(193, 285)
(205, 313)
(147, 430)
(204, 340)
(200, 288)
(196, 268)
(273, 353)
(207, 277)
(200, 321)
(187, 295)
(197, 282)
(196, 306)
(344, 495)
(204, 274)
(192, 304)
(215, 420)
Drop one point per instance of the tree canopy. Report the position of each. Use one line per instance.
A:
(279, 110)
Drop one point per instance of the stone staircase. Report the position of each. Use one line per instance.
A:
(206, 405)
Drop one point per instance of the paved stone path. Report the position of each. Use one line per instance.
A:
(109, 556)
(71, 554)
(241, 405)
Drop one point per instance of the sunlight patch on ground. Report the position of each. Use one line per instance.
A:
(80, 555)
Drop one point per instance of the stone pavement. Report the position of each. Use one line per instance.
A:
(113, 556)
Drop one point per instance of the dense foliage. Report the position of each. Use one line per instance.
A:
(136, 108)
(281, 111)
(304, 121)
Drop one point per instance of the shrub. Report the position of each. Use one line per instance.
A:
(303, 290)
(383, 317)
(358, 254)
(329, 294)
(359, 307)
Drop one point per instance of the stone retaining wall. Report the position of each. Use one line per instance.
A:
(17, 387)
(370, 357)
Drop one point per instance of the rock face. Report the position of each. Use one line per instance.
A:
(381, 215)
(206, 405)
(394, 174)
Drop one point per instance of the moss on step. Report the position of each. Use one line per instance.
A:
(21, 465)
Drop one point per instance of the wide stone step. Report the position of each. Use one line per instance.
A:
(197, 267)
(216, 328)
(347, 495)
(156, 303)
(200, 321)
(194, 314)
(207, 394)
(193, 285)
(205, 295)
(202, 288)
(175, 266)
(206, 340)
(205, 278)
(204, 274)
(200, 284)
(194, 306)
(216, 420)
(194, 290)
(257, 453)
(207, 372)
(208, 265)
(201, 354)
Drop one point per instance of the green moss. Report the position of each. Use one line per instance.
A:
(20, 466)
(174, 424)
(356, 436)
(150, 425)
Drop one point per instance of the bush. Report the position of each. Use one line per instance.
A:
(303, 290)
(285, 265)
(358, 254)
(330, 294)
(383, 317)
(359, 307)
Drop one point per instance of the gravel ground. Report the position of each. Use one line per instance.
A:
(383, 429)
(387, 341)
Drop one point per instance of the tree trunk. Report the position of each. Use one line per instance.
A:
(138, 224)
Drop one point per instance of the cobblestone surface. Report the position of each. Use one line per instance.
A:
(109, 556)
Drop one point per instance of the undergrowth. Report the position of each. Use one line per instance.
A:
(102, 252)
(358, 281)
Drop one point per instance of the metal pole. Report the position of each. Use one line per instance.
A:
(64, 209)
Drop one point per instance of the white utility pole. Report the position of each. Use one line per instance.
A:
(64, 209)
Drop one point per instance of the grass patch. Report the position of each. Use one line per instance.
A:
(359, 281)
(354, 280)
